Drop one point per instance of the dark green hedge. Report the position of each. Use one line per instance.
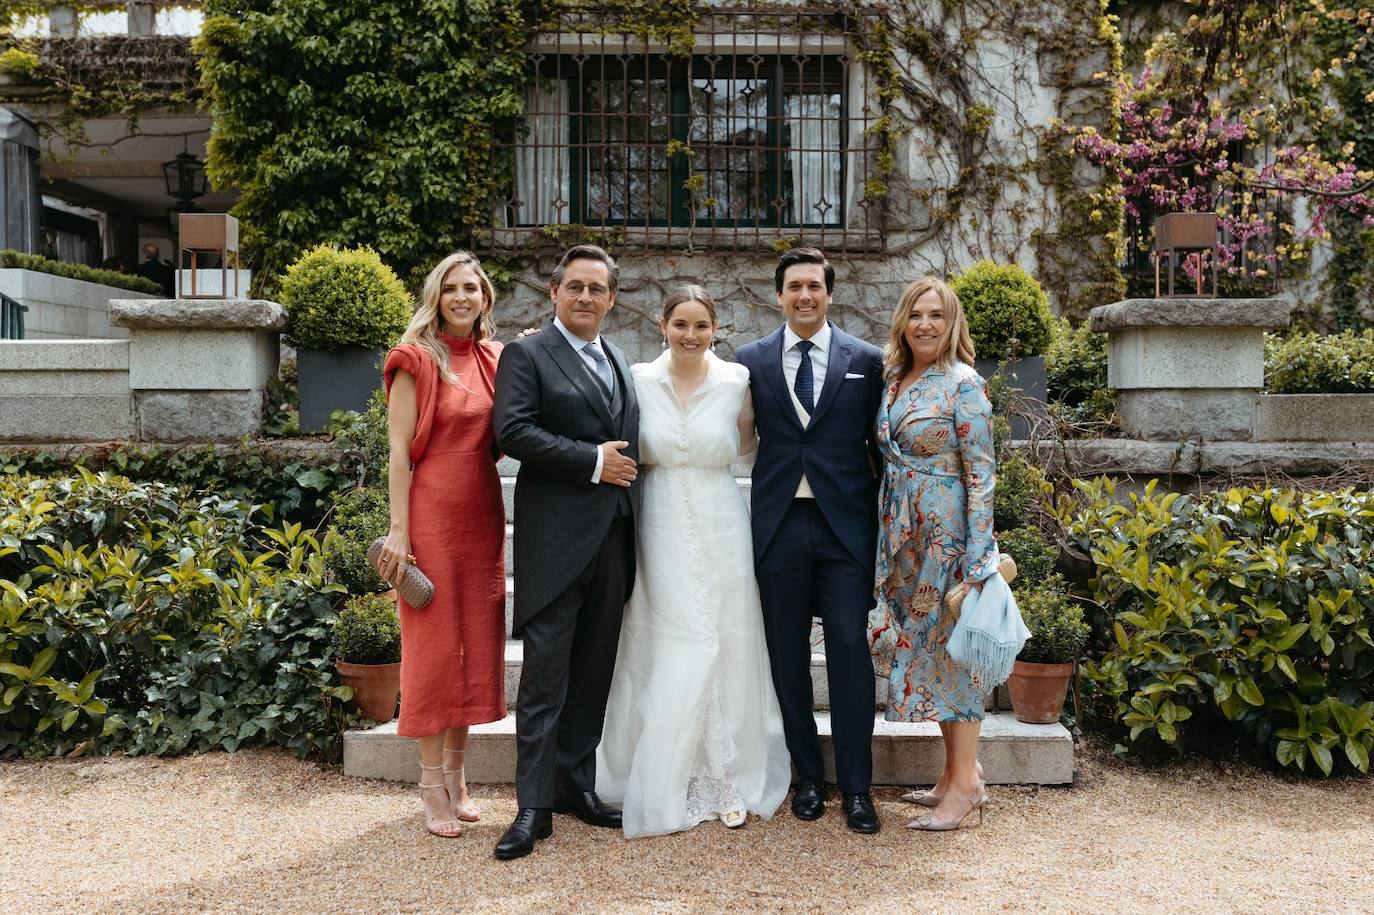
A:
(18, 260)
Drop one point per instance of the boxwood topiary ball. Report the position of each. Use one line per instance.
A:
(336, 298)
(1008, 313)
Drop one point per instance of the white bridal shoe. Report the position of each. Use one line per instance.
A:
(734, 819)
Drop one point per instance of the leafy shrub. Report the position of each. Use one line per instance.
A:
(292, 485)
(1008, 313)
(366, 434)
(18, 260)
(368, 631)
(1035, 556)
(1058, 632)
(361, 516)
(1076, 375)
(1243, 614)
(1017, 484)
(18, 62)
(139, 616)
(337, 298)
(1313, 363)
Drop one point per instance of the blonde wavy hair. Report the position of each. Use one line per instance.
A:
(956, 344)
(424, 325)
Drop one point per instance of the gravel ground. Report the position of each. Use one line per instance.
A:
(261, 831)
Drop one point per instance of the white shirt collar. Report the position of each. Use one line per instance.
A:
(573, 339)
(821, 338)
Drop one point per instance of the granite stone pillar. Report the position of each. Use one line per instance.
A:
(1188, 368)
(198, 369)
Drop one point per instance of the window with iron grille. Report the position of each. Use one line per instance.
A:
(756, 135)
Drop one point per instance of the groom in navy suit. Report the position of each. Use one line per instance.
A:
(816, 392)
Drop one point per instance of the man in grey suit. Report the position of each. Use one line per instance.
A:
(565, 408)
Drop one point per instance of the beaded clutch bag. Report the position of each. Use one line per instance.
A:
(414, 587)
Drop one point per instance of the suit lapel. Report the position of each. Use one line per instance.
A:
(571, 363)
(773, 377)
(841, 352)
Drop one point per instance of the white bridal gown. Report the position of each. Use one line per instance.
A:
(692, 724)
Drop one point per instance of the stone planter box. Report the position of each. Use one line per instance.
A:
(1314, 418)
(61, 308)
(343, 379)
(1026, 376)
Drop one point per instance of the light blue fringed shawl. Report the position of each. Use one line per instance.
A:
(989, 634)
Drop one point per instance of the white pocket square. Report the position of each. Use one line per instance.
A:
(849, 375)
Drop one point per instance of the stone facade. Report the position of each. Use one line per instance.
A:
(975, 174)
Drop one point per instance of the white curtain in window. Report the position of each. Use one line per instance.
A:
(541, 165)
(814, 156)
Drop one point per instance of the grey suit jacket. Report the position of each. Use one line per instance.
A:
(550, 415)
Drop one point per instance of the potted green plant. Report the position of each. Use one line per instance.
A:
(1040, 676)
(344, 308)
(367, 652)
(1010, 322)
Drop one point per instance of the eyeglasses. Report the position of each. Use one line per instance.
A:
(595, 290)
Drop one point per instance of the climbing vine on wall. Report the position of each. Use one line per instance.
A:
(989, 178)
(352, 121)
(88, 78)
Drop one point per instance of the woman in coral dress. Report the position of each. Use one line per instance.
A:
(935, 530)
(447, 518)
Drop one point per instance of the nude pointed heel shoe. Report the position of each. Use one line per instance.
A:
(923, 798)
(928, 823)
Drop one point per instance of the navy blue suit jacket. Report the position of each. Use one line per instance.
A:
(837, 450)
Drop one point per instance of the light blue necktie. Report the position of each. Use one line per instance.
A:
(603, 367)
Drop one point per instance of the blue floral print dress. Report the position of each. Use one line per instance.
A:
(935, 530)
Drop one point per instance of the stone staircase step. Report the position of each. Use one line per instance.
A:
(1012, 752)
(820, 687)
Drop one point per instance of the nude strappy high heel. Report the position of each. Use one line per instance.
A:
(456, 784)
(447, 827)
(928, 823)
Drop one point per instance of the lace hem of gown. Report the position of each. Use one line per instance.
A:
(713, 786)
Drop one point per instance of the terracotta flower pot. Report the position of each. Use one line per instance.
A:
(1038, 691)
(376, 688)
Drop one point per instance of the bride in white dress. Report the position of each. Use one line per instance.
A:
(692, 729)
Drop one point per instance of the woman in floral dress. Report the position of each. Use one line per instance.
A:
(935, 530)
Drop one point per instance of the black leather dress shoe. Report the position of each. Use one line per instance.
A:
(531, 824)
(808, 803)
(859, 813)
(588, 808)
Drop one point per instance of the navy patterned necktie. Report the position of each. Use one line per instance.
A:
(805, 385)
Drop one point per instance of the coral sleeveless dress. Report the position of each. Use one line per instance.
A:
(453, 651)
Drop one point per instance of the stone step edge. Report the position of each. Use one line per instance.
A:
(1012, 752)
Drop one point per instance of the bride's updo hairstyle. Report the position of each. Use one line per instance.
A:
(689, 293)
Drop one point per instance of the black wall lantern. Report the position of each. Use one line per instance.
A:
(185, 176)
